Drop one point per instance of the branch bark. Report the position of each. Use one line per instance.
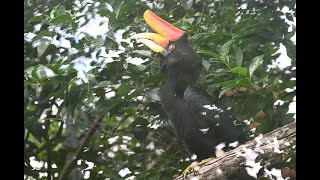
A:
(71, 163)
(276, 147)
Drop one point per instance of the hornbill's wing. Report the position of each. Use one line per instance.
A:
(216, 123)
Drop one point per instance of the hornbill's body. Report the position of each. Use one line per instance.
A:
(198, 120)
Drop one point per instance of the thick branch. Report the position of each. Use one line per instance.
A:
(273, 148)
(70, 164)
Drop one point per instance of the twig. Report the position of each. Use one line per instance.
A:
(71, 163)
(204, 5)
(47, 124)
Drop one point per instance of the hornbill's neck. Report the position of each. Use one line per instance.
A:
(173, 104)
(182, 67)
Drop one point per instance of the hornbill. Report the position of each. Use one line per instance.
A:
(198, 120)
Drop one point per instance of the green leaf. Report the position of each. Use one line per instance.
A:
(289, 16)
(216, 74)
(61, 19)
(53, 11)
(225, 48)
(238, 53)
(43, 33)
(242, 81)
(206, 64)
(225, 59)
(248, 29)
(123, 90)
(263, 79)
(139, 128)
(230, 83)
(224, 90)
(110, 43)
(99, 41)
(143, 52)
(45, 72)
(35, 19)
(102, 84)
(37, 131)
(27, 83)
(28, 71)
(209, 53)
(186, 4)
(42, 48)
(240, 70)
(190, 20)
(117, 7)
(255, 63)
(290, 34)
(135, 93)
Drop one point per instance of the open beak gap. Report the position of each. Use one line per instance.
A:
(150, 44)
(156, 38)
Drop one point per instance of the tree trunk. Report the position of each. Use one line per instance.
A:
(272, 150)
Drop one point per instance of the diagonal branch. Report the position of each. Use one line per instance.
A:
(70, 164)
(276, 147)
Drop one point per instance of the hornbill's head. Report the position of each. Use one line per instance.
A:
(182, 63)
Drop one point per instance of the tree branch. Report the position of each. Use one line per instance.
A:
(47, 138)
(70, 164)
(276, 147)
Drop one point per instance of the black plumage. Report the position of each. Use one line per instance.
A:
(198, 120)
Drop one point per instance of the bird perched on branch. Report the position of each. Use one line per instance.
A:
(199, 121)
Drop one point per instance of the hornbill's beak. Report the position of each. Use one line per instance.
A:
(165, 33)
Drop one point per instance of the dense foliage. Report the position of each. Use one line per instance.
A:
(81, 68)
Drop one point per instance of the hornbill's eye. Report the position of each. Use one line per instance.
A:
(171, 47)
